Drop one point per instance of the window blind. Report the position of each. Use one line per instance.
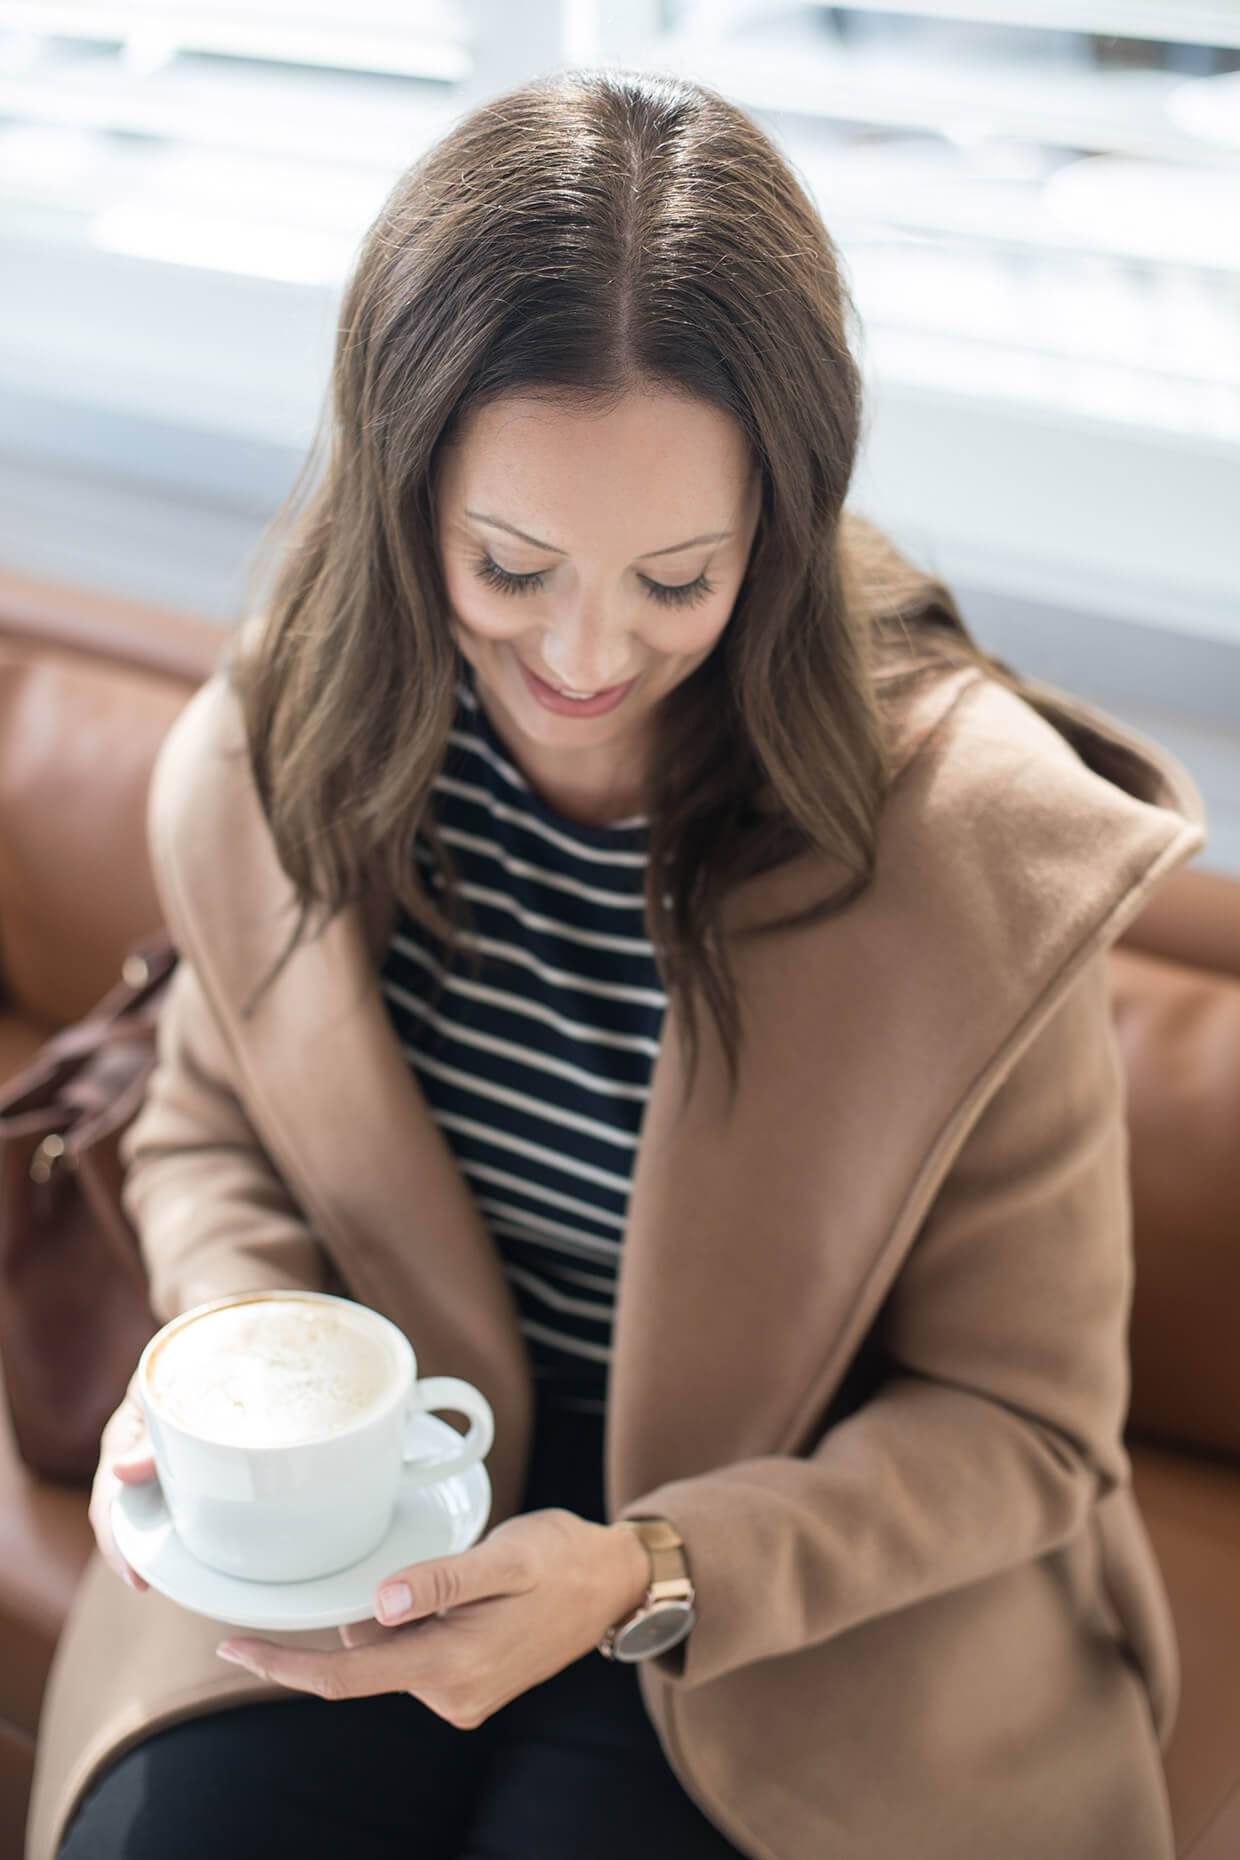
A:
(1035, 199)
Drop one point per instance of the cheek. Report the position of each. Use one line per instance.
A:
(487, 615)
(684, 634)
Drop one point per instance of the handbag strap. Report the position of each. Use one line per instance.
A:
(119, 1016)
(126, 1016)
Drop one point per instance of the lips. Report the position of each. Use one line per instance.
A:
(582, 697)
(551, 698)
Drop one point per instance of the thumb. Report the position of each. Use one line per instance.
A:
(496, 1566)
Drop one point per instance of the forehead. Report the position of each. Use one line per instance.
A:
(648, 456)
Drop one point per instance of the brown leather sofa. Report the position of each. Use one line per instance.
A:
(88, 686)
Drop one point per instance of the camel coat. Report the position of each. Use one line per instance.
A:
(870, 1339)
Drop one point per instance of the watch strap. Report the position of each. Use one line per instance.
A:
(669, 1574)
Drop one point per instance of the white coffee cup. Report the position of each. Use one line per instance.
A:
(280, 1423)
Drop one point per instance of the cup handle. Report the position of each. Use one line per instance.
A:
(448, 1392)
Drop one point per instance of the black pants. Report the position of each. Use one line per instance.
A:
(570, 1769)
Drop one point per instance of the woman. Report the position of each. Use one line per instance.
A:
(715, 1069)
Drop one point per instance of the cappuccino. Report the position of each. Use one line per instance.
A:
(272, 1372)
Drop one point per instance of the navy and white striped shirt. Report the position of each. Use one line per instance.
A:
(538, 1071)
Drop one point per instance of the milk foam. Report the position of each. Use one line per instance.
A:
(274, 1372)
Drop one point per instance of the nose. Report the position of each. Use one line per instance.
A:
(586, 654)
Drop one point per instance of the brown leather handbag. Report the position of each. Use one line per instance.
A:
(74, 1311)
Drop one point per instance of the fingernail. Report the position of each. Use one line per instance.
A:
(394, 1598)
(227, 1653)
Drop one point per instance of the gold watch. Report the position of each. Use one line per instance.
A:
(666, 1612)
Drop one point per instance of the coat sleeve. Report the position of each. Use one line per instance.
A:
(999, 1422)
(211, 1212)
(210, 1209)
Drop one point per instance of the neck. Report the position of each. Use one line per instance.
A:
(595, 792)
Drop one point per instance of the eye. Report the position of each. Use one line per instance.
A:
(497, 577)
(686, 594)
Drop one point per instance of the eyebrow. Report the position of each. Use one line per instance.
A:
(672, 549)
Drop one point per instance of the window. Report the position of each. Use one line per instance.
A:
(1037, 203)
(1037, 199)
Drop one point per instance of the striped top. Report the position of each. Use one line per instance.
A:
(537, 1067)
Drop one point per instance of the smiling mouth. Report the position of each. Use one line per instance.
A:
(582, 696)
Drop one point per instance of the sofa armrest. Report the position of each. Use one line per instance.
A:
(89, 687)
(1194, 918)
(1178, 1030)
(38, 617)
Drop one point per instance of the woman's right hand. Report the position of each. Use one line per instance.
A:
(125, 1458)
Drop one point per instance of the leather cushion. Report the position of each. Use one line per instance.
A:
(1191, 1509)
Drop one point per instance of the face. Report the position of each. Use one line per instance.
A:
(595, 553)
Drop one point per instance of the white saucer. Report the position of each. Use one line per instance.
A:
(429, 1521)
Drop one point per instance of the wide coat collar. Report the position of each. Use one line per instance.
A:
(760, 1240)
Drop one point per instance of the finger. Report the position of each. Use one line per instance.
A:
(396, 1663)
(128, 1448)
(126, 1427)
(135, 1471)
(100, 1514)
(362, 1633)
(497, 1566)
(126, 1458)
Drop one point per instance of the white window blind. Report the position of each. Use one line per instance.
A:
(1037, 203)
(1036, 199)
(254, 138)
(184, 184)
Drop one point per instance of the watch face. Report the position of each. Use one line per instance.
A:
(665, 1625)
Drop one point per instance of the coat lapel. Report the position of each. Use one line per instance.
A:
(761, 1244)
(760, 1236)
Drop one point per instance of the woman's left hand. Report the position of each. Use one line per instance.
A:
(480, 1627)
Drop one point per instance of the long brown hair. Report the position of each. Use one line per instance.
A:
(587, 233)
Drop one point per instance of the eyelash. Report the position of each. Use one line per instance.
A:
(688, 594)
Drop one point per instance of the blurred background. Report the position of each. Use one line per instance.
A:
(1037, 203)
